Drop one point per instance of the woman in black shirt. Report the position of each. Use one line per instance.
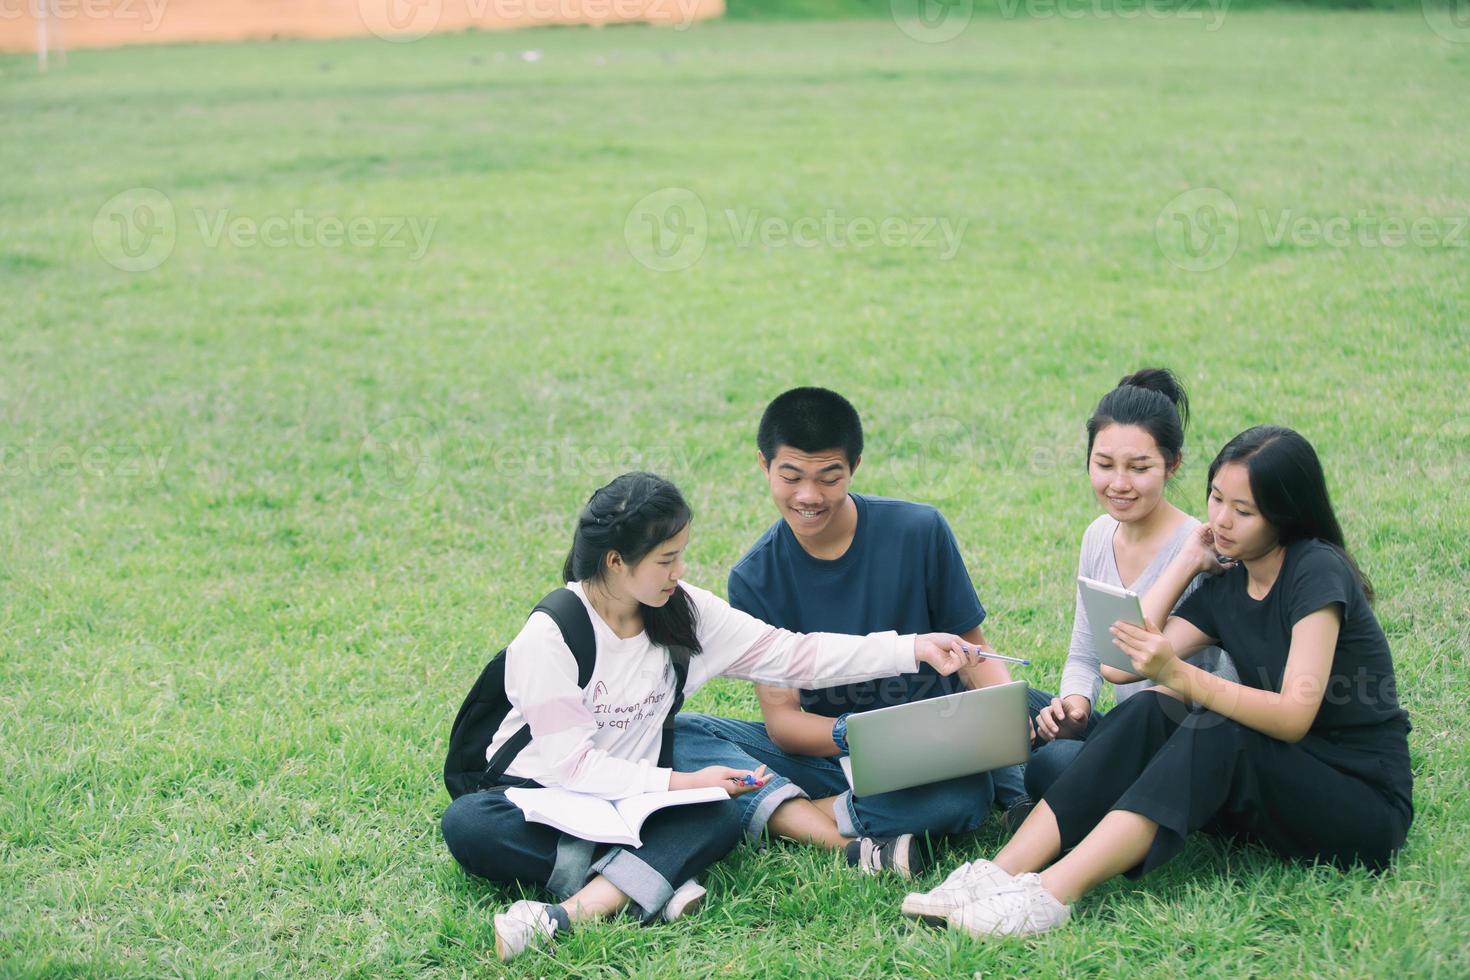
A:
(1308, 755)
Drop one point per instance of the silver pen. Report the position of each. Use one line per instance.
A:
(988, 655)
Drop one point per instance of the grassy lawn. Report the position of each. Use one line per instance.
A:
(267, 506)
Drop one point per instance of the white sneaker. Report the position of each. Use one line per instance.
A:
(1024, 908)
(965, 884)
(520, 926)
(686, 900)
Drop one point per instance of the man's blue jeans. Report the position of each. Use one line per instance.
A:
(953, 806)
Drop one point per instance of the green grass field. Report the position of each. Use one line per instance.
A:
(269, 504)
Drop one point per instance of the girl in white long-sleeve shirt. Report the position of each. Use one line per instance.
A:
(625, 566)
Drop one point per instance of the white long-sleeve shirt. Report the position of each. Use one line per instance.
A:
(605, 740)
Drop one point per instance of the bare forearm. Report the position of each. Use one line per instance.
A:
(987, 673)
(1159, 602)
(802, 733)
(1115, 676)
(1286, 716)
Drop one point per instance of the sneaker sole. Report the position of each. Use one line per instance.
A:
(915, 907)
(503, 951)
(505, 955)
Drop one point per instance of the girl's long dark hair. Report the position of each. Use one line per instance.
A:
(1289, 487)
(632, 515)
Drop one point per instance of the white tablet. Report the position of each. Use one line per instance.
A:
(1105, 605)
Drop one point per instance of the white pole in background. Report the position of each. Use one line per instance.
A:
(42, 13)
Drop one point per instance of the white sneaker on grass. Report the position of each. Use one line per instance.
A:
(686, 900)
(525, 924)
(1023, 908)
(965, 884)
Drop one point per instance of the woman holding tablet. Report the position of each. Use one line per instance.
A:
(1135, 443)
(625, 566)
(1308, 755)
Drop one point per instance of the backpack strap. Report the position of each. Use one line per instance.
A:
(570, 616)
(679, 657)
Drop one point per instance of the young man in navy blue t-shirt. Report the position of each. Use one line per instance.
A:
(846, 563)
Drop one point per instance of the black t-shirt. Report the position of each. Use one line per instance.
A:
(1360, 727)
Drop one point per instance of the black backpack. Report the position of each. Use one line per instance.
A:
(485, 707)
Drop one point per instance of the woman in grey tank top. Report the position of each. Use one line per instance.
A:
(1135, 439)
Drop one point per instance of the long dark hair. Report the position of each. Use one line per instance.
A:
(632, 515)
(1289, 487)
(1152, 399)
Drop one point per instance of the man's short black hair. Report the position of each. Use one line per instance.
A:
(811, 420)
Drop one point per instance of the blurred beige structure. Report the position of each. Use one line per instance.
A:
(69, 24)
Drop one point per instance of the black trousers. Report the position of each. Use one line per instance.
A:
(1190, 770)
(490, 837)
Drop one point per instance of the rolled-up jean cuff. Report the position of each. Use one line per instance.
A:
(573, 858)
(844, 808)
(646, 888)
(777, 791)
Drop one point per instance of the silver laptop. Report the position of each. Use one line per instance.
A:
(941, 738)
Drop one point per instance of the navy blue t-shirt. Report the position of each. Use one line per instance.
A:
(903, 572)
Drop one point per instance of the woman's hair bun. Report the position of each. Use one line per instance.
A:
(1166, 383)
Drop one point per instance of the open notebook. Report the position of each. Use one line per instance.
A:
(606, 821)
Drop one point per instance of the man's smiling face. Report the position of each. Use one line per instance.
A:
(809, 488)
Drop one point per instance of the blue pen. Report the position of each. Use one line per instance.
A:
(988, 655)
